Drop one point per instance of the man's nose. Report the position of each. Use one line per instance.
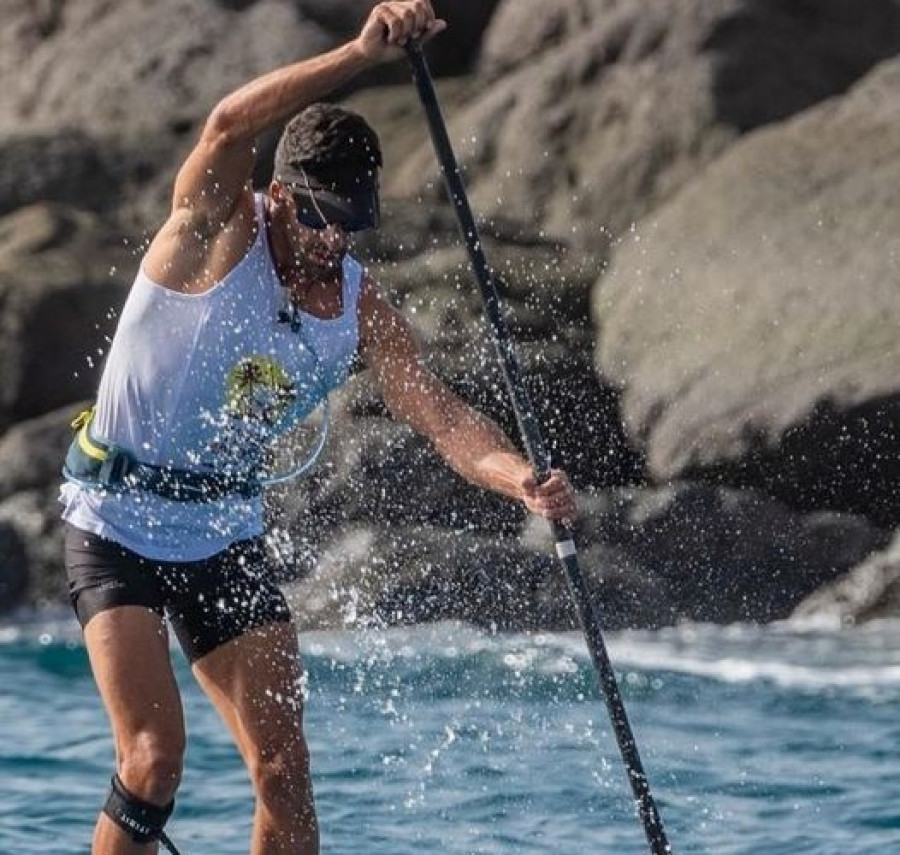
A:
(335, 237)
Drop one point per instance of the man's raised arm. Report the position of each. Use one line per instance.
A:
(217, 172)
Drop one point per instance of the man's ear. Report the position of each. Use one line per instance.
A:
(280, 196)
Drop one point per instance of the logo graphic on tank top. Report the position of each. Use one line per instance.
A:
(259, 397)
(258, 389)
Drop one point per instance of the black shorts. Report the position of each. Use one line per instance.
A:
(207, 602)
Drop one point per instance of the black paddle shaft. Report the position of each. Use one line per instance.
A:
(539, 457)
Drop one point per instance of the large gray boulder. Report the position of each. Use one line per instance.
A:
(752, 322)
(587, 114)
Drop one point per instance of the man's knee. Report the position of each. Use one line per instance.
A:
(281, 778)
(151, 765)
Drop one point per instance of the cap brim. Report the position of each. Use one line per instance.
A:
(352, 211)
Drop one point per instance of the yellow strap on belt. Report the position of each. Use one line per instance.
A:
(82, 419)
(81, 423)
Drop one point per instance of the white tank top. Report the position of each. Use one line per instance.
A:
(201, 382)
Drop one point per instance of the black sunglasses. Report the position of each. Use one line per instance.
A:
(318, 210)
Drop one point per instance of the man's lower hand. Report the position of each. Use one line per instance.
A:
(554, 499)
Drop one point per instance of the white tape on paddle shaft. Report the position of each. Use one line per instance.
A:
(565, 548)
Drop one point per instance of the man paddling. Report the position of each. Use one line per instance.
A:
(246, 311)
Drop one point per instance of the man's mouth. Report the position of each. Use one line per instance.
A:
(322, 257)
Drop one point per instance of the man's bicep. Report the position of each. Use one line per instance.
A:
(390, 349)
(408, 388)
(416, 396)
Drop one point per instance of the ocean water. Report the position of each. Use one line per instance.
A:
(773, 741)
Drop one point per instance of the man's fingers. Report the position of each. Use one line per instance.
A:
(555, 484)
(393, 24)
(407, 20)
(438, 25)
(413, 20)
(556, 499)
(553, 499)
(421, 19)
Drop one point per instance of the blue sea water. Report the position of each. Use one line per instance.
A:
(772, 741)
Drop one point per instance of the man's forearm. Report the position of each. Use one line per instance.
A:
(269, 100)
(477, 449)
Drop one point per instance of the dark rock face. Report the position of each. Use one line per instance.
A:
(32, 452)
(31, 538)
(714, 554)
(53, 167)
(796, 53)
(752, 321)
(378, 472)
(545, 287)
(15, 574)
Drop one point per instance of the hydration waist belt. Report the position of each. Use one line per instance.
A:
(99, 465)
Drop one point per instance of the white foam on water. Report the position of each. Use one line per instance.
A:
(808, 657)
(740, 670)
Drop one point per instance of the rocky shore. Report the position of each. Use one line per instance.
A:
(693, 207)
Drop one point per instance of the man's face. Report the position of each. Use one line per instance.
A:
(315, 253)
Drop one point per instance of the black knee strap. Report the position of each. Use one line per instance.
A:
(141, 820)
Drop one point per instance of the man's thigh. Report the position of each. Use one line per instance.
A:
(256, 681)
(129, 653)
(118, 601)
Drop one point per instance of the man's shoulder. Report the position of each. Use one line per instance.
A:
(192, 250)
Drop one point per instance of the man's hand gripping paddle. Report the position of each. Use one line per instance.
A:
(538, 454)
